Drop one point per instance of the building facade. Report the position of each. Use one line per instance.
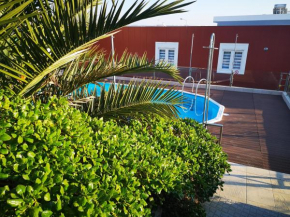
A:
(256, 54)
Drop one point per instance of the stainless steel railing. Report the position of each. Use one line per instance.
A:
(221, 130)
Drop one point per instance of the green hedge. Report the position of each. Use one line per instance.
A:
(57, 161)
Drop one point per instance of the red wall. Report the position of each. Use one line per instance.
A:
(262, 67)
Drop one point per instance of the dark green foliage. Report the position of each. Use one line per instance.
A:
(58, 161)
(175, 206)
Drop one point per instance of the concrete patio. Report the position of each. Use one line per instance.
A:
(250, 191)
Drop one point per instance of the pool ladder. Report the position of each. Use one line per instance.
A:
(207, 87)
(192, 102)
(196, 90)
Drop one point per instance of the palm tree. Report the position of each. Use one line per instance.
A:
(56, 51)
(11, 16)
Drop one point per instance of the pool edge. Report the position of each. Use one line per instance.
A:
(221, 110)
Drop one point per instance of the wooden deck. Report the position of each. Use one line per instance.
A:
(257, 129)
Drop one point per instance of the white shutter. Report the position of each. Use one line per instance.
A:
(226, 60)
(238, 60)
(171, 55)
(162, 55)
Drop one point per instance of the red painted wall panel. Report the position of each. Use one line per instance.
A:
(262, 67)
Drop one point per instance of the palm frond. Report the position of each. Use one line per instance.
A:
(11, 15)
(14, 12)
(65, 32)
(94, 67)
(133, 99)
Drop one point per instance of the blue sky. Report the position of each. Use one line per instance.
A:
(202, 12)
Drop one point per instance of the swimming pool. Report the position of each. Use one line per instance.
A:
(192, 109)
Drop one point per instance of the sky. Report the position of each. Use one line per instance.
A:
(201, 12)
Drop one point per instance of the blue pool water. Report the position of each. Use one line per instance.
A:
(196, 111)
(196, 108)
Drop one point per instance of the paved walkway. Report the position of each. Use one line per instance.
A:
(250, 191)
(221, 207)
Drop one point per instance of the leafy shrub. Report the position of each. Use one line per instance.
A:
(176, 206)
(58, 161)
(204, 162)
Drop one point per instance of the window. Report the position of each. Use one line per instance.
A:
(166, 51)
(232, 57)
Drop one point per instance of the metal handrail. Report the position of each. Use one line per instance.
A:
(186, 110)
(283, 78)
(208, 78)
(221, 130)
(185, 81)
(196, 89)
(287, 83)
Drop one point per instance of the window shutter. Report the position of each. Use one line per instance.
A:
(238, 60)
(226, 60)
(171, 56)
(162, 55)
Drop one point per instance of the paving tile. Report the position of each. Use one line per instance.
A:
(235, 187)
(278, 175)
(282, 202)
(259, 192)
(258, 171)
(281, 186)
(236, 209)
(238, 167)
(258, 181)
(261, 205)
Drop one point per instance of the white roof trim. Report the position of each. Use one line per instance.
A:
(269, 17)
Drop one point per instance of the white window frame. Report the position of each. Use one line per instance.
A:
(167, 46)
(232, 47)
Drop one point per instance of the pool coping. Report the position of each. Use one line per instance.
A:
(286, 98)
(220, 112)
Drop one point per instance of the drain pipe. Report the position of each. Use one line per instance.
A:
(208, 82)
